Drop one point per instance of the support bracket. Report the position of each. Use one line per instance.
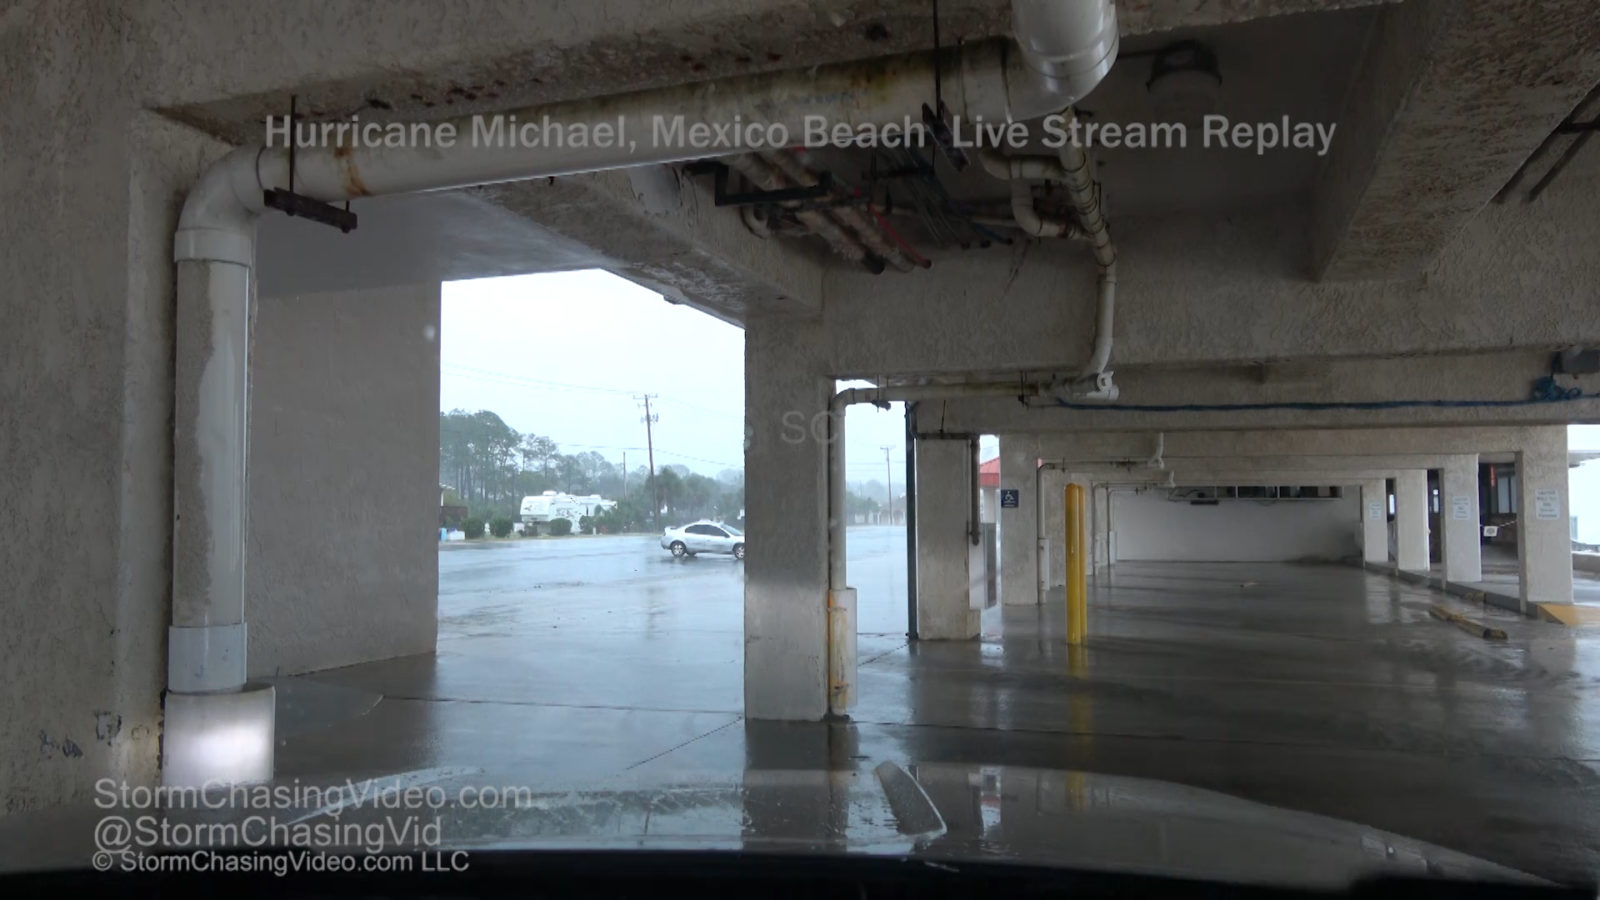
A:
(286, 201)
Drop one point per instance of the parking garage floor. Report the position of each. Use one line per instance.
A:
(601, 665)
(1317, 688)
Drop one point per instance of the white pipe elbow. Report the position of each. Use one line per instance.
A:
(218, 221)
(1070, 46)
(1028, 218)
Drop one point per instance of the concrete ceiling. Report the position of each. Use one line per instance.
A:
(511, 56)
(1409, 83)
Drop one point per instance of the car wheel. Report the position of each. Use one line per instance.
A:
(738, 551)
(678, 549)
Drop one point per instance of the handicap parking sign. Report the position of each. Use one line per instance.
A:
(1009, 498)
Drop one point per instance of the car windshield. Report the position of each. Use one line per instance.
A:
(731, 530)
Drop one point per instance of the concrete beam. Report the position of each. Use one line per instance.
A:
(1164, 399)
(1199, 290)
(660, 229)
(651, 225)
(488, 55)
(1223, 475)
(1448, 102)
(1428, 443)
(1143, 16)
(1311, 462)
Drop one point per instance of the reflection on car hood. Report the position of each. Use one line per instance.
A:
(955, 812)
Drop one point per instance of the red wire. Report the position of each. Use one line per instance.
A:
(888, 229)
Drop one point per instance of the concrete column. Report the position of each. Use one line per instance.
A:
(1411, 520)
(1100, 524)
(1019, 455)
(1460, 544)
(944, 551)
(1053, 526)
(1375, 521)
(786, 584)
(1544, 529)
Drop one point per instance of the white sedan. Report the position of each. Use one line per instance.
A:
(703, 537)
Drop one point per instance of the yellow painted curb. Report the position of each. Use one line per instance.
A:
(1470, 626)
(1569, 614)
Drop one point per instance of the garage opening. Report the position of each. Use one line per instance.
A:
(592, 494)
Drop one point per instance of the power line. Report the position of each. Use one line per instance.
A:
(489, 375)
(482, 374)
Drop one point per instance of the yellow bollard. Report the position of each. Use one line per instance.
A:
(1077, 571)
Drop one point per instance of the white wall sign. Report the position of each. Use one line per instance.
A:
(1374, 511)
(1461, 507)
(1547, 503)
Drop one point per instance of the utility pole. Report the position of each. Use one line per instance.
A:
(650, 447)
(888, 472)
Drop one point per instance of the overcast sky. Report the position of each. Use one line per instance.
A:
(567, 356)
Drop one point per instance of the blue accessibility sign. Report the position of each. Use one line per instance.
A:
(1009, 498)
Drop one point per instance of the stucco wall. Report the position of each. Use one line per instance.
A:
(1150, 527)
(343, 470)
(91, 190)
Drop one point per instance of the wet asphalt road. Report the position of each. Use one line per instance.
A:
(533, 580)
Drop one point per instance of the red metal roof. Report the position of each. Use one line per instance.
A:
(989, 473)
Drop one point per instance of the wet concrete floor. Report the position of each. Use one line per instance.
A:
(1324, 689)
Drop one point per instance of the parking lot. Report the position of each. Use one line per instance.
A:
(534, 612)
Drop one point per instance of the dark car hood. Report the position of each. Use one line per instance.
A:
(949, 813)
(942, 813)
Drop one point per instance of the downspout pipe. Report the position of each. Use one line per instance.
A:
(911, 522)
(1074, 170)
(214, 251)
(215, 727)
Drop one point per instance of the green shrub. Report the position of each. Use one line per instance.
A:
(586, 524)
(473, 527)
(560, 527)
(530, 529)
(500, 526)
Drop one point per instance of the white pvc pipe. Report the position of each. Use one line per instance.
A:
(206, 640)
(1075, 171)
(1104, 318)
(878, 92)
